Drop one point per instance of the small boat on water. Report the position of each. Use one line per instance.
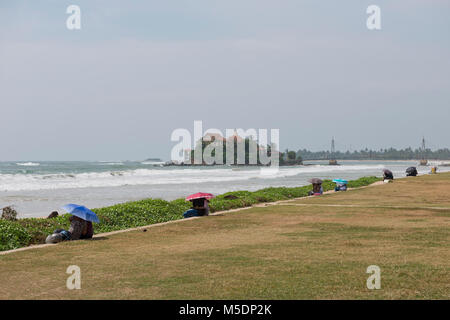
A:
(333, 162)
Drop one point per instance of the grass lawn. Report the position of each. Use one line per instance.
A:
(312, 248)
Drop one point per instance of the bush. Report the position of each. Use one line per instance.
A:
(138, 213)
(38, 228)
(8, 213)
(361, 182)
(13, 235)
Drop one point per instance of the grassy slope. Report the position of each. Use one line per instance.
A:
(145, 212)
(275, 252)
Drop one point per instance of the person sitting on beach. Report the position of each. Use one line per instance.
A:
(79, 229)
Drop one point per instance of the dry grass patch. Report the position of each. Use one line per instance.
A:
(275, 252)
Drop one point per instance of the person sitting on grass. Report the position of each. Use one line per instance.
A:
(317, 187)
(340, 187)
(200, 207)
(79, 229)
(388, 175)
(411, 172)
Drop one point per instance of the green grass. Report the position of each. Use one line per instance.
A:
(24, 232)
(266, 252)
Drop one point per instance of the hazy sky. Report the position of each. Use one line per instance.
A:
(137, 70)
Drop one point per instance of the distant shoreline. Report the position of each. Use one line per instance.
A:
(441, 163)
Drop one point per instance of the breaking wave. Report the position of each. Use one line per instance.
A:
(145, 176)
(28, 164)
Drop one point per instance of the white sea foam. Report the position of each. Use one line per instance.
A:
(155, 163)
(111, 163)
(28, 164)
(18, 182)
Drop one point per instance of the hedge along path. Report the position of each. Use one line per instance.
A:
(265, 204)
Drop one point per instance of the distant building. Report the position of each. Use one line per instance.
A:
(217, 137)
(213, 137)
(235, 137)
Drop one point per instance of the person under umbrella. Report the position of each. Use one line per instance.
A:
(411, 172)
(341, 185)
(200, 205)
(388, 175)
(80, 225)
(317, 187)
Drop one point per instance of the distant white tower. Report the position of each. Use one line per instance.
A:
(423, 161)
(333, 160)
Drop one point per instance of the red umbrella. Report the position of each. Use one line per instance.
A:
(199, 195)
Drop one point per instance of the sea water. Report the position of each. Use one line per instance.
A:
(37, 188)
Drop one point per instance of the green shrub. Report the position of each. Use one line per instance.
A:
(8, 213)
(138, 213)
(13, 235)
(38, 228)
(361, 182)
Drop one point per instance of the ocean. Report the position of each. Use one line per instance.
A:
(35, 189)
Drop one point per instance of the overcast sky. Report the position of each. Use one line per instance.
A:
(137, 70)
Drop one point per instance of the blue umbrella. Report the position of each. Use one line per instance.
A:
(340, 181)
(81, 212)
